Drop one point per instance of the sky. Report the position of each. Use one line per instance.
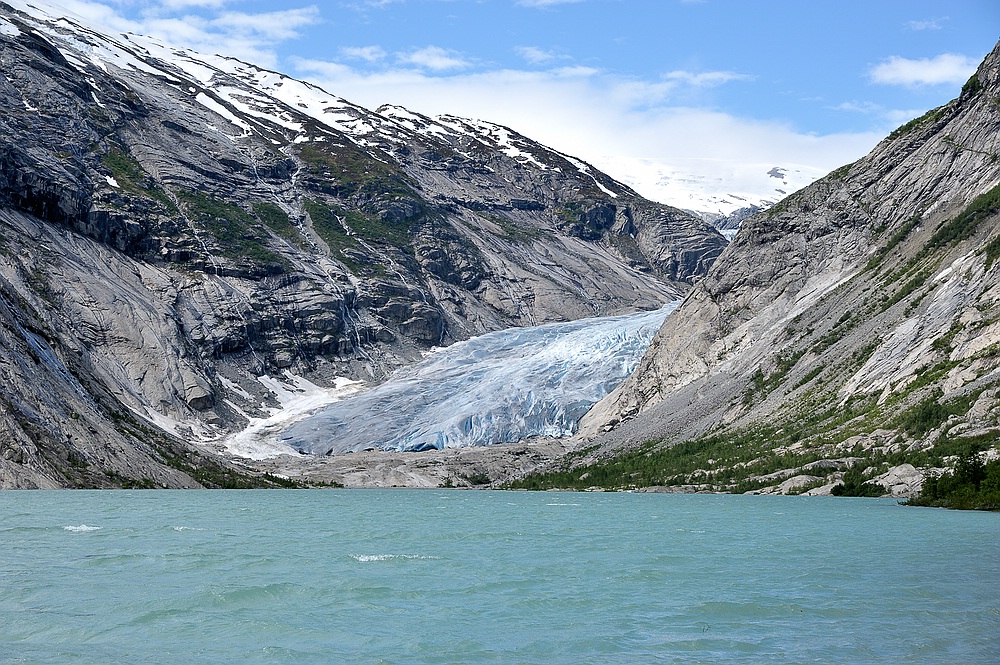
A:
(808, 82)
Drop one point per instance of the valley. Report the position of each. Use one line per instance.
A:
(195, 250)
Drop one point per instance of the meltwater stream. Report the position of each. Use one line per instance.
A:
(497, 388)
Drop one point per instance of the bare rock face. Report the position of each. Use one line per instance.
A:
(177, 226)
(866, 302)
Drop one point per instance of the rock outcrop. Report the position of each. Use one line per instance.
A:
(859, 313)
(175, 226)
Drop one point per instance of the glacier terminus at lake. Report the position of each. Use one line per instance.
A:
(500, 387)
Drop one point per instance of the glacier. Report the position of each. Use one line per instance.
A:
(500, 387)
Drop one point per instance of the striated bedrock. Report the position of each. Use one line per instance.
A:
(860, 312)
(175, 226)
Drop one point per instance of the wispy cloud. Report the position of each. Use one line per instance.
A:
(537, 56)
(926, 24)
(545, 3)
(174, 5)
(947, 68)
(705, 79)
(270, 27)
(867, 108)
(366, 53)
(434, 58)
(889, 117)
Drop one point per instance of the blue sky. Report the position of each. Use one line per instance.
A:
(810, 82)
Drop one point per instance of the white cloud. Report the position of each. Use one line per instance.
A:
(366, 53)
(434, 58)
(537, 56)
(706, 79)
(271, 27)
(592, 114)
(545, 3)
(184, 4)
(928, 24)
(867, 108)
(947, 68)
(248, 36)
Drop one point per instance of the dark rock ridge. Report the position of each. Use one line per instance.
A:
(859, 316)
(174, 226)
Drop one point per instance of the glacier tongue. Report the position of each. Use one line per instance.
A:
(497, 388)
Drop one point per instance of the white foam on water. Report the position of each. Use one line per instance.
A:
(365, 558)
(82, 527)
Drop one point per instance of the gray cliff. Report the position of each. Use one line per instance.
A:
(855, 320)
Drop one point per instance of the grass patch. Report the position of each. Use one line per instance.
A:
(522, 235)
(926, 119)
(351, 172)
(236, 232)
(965, 224)
(762, 385)
(893, 241)
(930, 413)
(328, 227)
(132, 179)
(277, 220)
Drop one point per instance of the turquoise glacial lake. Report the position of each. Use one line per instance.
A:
(424, 576)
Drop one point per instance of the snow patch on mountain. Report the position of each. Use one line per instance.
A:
(710, 187)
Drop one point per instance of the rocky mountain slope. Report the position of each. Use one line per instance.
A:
(852, 330)
(176, 227)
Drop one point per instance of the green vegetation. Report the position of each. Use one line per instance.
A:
(353, 172)
(205, 470)
(812, 428)
(478, 478)
(965, 224)
(236, 232)
(584, 219)
(720, 462)
(929, 414)
(854, 484)
(906, 289)
(514, 232)
(928, 118)
(343, 230)
(973, 485)
(761, 386)
(275, 219)
(992, 251)
(972, 86)
(131, 178)
(841, 172)
(893, 241)
(328, 227)
(793, 202)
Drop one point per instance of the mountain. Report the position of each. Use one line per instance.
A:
(183, 237)
(850, 334)
(722, 192)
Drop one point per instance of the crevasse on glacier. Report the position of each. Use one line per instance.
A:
(497, 388)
